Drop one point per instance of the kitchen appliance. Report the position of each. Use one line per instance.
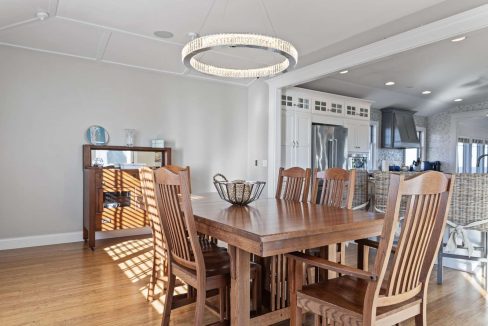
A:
(398, 129)
(329, 148)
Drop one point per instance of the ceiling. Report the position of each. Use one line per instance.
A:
(450, 70)
(121, 31)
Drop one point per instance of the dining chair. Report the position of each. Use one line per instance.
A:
(333, 187)
(381, 186)
(293, 185)
(191, 260)
(389, 293)
(160, 262)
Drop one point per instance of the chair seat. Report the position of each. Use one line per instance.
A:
(348, 293)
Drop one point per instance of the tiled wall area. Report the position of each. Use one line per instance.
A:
(439, 126)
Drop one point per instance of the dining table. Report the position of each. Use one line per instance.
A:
(269, 227)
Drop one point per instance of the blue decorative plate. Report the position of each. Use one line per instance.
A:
(97, 135)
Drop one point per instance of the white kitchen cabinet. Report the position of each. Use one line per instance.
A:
(296, 138)
(292, 100)
(358, 133)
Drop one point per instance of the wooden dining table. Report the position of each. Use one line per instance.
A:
(268, 227)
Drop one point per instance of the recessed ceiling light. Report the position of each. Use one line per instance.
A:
(458, 100)
(390, 83)
(458, 39)
(426, 92)
(344, 72)
(163, 34)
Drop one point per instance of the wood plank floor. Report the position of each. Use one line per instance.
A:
(71, 285)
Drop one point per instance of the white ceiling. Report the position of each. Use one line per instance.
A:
(450, 70)
(121, 31)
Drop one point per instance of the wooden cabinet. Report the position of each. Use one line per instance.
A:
(296, 138)
(358, 134)
(112, 197)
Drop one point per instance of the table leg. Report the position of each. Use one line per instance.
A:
(240, 305)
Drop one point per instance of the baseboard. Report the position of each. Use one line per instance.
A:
(57, 238)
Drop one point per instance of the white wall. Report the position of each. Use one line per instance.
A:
(257, 130)
(48, 101)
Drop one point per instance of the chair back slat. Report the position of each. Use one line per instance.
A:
(146, 176)
(174, 205)
(293, 184)
(427, 198)
(337, 186)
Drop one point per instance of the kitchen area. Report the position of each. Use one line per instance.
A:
(406, 114)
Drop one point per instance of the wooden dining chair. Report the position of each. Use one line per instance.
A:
(177, 169)
(203, 269)
(293, 184)
(160, 261)
(389, 293)
(333, 187)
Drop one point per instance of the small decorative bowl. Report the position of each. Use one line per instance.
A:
(238, 192)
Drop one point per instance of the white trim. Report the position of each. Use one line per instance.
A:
(103, 44)
(458, 24)
(47, 51)
(20, 23)
(59, 238)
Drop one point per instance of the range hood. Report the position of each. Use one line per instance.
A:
(398, 129)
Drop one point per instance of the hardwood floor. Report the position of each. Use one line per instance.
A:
(71, 285)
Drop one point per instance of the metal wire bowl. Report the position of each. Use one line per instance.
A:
(238, 192)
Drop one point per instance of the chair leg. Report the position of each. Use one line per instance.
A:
(169, 299)
(222, 303)
(200, 306)
(440, 271)
(485, 253)
(421, 319)
(154, 278)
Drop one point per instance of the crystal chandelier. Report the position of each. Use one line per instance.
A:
(268, 43)
(206, 43)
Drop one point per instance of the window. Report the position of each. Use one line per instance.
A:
(468, 151)
(412, 154)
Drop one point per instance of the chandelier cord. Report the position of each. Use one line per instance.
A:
(266, 13)
(209, 11)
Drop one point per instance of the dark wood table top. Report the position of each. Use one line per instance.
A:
(272, 226)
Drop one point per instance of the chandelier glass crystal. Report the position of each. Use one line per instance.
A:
(256, 41)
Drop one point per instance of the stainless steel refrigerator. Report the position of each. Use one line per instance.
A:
(329, 146)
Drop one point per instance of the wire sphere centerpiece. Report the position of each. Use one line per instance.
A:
(238, 192)
(255, 41)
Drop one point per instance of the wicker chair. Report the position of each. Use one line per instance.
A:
(469, 211)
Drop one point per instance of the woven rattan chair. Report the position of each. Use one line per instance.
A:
(390, 293)
(469, 212)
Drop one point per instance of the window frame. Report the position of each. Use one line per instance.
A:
(423, 146)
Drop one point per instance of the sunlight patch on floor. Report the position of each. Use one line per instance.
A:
(472, 279)
(134, 258)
